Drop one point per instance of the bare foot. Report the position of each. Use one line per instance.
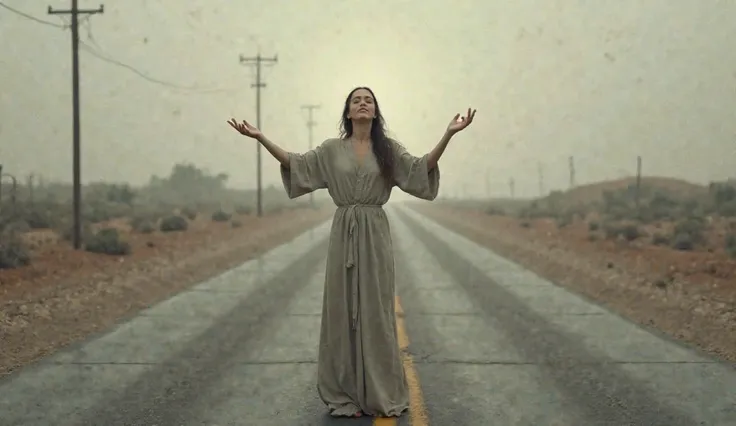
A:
(347, 411)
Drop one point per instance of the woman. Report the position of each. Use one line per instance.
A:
(360, 368)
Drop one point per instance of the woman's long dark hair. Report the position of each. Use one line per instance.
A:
(381, 144)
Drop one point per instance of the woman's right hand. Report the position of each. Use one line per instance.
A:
(245, 129)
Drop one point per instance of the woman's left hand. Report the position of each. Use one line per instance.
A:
(459, 123)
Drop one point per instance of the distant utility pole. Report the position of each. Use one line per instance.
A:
(511, 187)
(572, 172)
(488, 183)
(541, 179)
(638, 181)
(258, 60)
(310, 125)
(30, 187)
(75, 12)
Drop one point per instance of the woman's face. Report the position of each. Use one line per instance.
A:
(362, 106)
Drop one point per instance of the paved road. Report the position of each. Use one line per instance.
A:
(489, 343)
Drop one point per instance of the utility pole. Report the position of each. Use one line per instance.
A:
(30, 187)
(541, 179)
(75, 12)
(488, 183)
(310, 125)
(258, 60)
(511, 187)
(572, 172)
(638, 181)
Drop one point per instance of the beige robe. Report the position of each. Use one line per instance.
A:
(359, 366)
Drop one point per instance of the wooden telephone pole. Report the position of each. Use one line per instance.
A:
(512, 187)
(572, 172)
(75, 12)
(258, 61)
(540, 172)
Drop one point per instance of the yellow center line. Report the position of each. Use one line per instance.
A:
(417, 408)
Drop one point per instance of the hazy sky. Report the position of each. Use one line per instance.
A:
(604, 81)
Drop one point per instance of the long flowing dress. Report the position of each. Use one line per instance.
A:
(359, 365)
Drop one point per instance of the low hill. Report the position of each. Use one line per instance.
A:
(593, 192)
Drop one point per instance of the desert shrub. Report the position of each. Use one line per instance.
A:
(122, 194)
(563, 220)
(616, 205)
(146, 227)
(38, 218)
(683, 242)
(611, 231)
(661, 240)
(18, 225)
(722, 192)
(731, 245)
(727, 209)
(96, 213)
(593, 226)
(495, 211)
(107, 241)
(31, 217)
(66, 229)
(189, 212)
(659, 207)
(221, 216)
(692, 228)
(534, 211)
(13, 252)
(173, 223)
(691, 208)
(145, 224)
(150, 215)
(630, 232)
(723, 199)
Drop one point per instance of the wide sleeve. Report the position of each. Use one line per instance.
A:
(307, 172)
(412, 175)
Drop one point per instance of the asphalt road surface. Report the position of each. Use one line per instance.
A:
(486, 343)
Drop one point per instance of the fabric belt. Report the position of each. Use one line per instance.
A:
(353, 255)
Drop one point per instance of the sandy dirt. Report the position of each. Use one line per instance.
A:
(690, 296)
(64, 295)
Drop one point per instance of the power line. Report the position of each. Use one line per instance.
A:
(88, 26)
(96, 51)
(99, 55)
(76, 141)
(258, 61)
(31, 17)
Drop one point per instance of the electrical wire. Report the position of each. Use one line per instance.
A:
(97, 52)
(88, 25)
(31, 17)
(101, 56)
